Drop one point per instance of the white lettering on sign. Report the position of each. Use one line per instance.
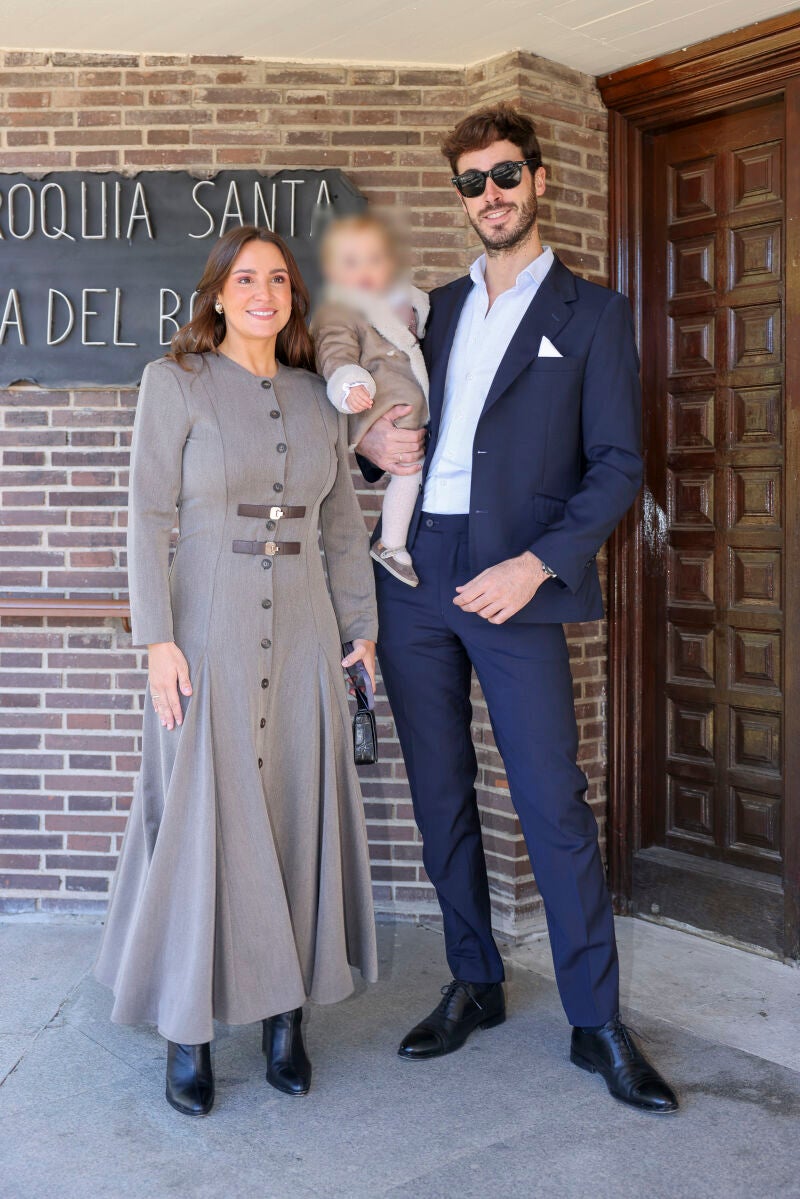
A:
(168, 316)
(14, 211)
(118, 210)
(53, 340)
(139, 212)
(264, 209)
(233, 207)
(86, 312)
(260, 214)
(60, 229)
(24, 216)
(12, 319)
(117, 340)
(206, 232)
(292, 183)
(101, 236)
(322, 195)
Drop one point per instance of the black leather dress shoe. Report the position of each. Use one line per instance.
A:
(463, 1008)
(190, 1081)
(288, 1067)
(612, 1052)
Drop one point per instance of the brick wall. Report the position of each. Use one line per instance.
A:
(72, 690)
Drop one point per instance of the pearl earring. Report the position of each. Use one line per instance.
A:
(218, 307)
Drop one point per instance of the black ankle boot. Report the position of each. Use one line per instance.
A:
(190, 1081)
(288, 1067)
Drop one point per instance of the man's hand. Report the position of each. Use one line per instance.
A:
(400, 451)
(501, 591)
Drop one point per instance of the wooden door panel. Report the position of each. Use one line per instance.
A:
(713, 377)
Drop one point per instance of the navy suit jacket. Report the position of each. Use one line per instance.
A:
(556, 460)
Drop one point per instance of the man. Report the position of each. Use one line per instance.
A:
(533, 457)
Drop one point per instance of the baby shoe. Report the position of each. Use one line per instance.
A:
(388, 558)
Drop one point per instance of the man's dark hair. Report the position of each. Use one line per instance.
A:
(500, 122)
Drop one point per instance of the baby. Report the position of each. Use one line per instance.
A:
(367, 334)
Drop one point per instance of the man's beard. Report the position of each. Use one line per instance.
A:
(514, 233)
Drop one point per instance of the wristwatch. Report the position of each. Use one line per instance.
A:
(548, 570)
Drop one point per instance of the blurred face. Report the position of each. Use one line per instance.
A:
(502, 218)
(257, 294)
(360, 259)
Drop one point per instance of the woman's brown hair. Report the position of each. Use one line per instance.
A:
(206, 329)
(500, 123)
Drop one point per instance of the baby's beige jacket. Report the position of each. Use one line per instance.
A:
(362, 339)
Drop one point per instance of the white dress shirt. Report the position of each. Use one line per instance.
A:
(481, 339)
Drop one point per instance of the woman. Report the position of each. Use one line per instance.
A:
(243, 885)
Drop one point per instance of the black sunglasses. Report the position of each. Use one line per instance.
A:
(504, 174)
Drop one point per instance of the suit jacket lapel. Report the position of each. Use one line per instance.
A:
(440, 353)
(546, 315)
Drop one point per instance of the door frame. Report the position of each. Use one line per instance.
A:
(711, 78)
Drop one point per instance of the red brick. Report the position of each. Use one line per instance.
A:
(89, 842)
(29, 882)
(86, 883)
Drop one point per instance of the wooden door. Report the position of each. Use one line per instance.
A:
(712, 829)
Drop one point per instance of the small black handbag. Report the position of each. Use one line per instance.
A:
(365, 730)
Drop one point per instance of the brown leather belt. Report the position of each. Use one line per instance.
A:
(274, 512)
(271, 548)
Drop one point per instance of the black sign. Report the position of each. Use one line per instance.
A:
(97, 271)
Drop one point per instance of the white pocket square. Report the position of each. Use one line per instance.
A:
(548, 350)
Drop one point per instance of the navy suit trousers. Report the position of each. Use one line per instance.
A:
(427, 648)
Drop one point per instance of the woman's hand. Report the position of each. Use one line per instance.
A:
(168, 670)
(363, 651)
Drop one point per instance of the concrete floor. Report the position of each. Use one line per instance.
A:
(82, 1112)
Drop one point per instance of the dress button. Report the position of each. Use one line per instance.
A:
(265, 683)
(270, 526)
(265, 562)
(266, 603)
(281, 447)
(429, 524)
(277, 486)
(266, 383)
(265, 643)
(262, 723)
(260, 763)
(275, 414)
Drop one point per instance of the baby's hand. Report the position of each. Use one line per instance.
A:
(358, 399)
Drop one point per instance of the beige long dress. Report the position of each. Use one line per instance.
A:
(243, 885)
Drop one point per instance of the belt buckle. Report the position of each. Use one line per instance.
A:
(276, 513)
(271, 548)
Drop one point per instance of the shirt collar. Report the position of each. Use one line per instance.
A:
(533, 273)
